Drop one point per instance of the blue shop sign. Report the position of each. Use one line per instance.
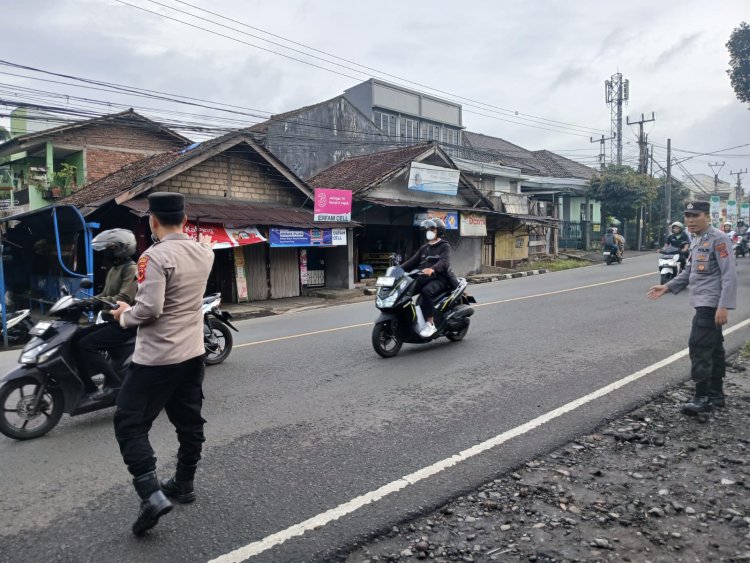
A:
(307, 237)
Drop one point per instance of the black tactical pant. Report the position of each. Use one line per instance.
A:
(706, 350)
(177, 389)
(92, 361)
(430, 288)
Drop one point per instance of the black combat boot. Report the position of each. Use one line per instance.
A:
(154, 504)
(700, 403)
(716, 392)
(180, 487)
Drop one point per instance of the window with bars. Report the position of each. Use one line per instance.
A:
(409, 129)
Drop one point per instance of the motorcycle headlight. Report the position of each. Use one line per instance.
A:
(47, 354)
(29, 357)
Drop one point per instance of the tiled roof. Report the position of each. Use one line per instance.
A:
(561, 167)
(495, 149)
(121, 180)
(359, 172)
(123, 116)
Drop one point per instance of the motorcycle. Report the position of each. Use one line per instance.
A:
(669, 263)
(19, 324)
(48, 382)
(401, 316)
(611, 257)
(739, 244)
(216, 336)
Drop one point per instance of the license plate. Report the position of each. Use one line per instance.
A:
(606, 253)
(385, 281)
(40, 328)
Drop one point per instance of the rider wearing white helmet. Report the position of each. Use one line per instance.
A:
(679, 239)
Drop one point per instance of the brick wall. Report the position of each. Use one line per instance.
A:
(250, 182)
(135, 136)
(100, 162)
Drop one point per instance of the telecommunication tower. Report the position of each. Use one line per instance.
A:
(616, 92)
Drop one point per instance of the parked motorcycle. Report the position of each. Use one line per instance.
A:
(19, 324)
(48, 382)
(669, 263)
(401, 316)
(216, 325)
(611, 257)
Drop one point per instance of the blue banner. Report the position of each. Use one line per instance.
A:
(300, 237)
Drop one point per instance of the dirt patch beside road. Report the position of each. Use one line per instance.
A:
(653, 486)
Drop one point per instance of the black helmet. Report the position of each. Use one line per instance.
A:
(118, 243)
(433, 223)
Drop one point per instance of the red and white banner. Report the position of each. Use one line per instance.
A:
(225, 237)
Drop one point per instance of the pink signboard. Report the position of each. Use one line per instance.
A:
(333, 205)
(225, 237)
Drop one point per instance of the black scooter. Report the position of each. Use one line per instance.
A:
(48, 381)
(401, 317)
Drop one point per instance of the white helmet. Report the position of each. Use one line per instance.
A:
(677, 224)
(728, 223)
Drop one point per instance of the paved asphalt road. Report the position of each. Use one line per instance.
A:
(304, 417)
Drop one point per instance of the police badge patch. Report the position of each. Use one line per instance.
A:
(722, 249)
(142, 263)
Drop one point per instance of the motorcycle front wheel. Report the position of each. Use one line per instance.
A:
(385, 343)
(665, 278)
(221, 345)
(18, 419)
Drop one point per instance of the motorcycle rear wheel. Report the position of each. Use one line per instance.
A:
(384, 342)
(17, 397)
(224, 339)
(458, 335)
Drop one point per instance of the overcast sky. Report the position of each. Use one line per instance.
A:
(546, 59)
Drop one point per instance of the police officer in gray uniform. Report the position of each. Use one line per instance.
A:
(167, 368)
(712, 277)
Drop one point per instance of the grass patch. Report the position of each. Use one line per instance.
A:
(745, 351)
(552, 265)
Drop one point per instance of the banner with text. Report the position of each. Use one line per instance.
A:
(434, 179)
(473, 225)
(225, 237)
(715, 210)
(307, 237)
(745, 211)
(332, 205)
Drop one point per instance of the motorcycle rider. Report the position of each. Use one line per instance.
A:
(118, 246)
(434, 259)
(728, 230)
(610, 241)
(679, 239)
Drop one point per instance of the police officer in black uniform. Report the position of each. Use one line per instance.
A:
(712, 277)
(167, 368)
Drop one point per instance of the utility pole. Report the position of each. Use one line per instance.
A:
(642, 143)
(738, 188)
(616, 91)
(602, 150)
(713, 166)
(668, 184)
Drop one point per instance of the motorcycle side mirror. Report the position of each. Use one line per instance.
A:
(86, 284)
(64, 290)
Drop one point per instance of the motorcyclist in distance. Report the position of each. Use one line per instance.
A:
(609, 241)
(117, 246)
(434, 259)
(679, 239)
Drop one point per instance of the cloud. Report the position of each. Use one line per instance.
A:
(668, 55)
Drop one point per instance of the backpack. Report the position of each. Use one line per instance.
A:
(609, 239)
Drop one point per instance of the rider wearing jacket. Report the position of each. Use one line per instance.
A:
(118, 246)
(434, 259)
(679, 239)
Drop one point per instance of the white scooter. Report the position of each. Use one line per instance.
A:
(669, 263)
(19, 325)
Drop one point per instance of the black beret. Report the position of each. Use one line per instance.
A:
(166, 202)
(697, 207)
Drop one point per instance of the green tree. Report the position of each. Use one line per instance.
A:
(621, 191)
(4, 134)
(739, 61)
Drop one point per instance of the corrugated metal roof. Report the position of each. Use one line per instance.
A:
(243, 214)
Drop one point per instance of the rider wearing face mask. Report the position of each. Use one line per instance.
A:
(434, 259)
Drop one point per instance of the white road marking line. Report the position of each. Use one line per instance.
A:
(320, 520)
(360, 325)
